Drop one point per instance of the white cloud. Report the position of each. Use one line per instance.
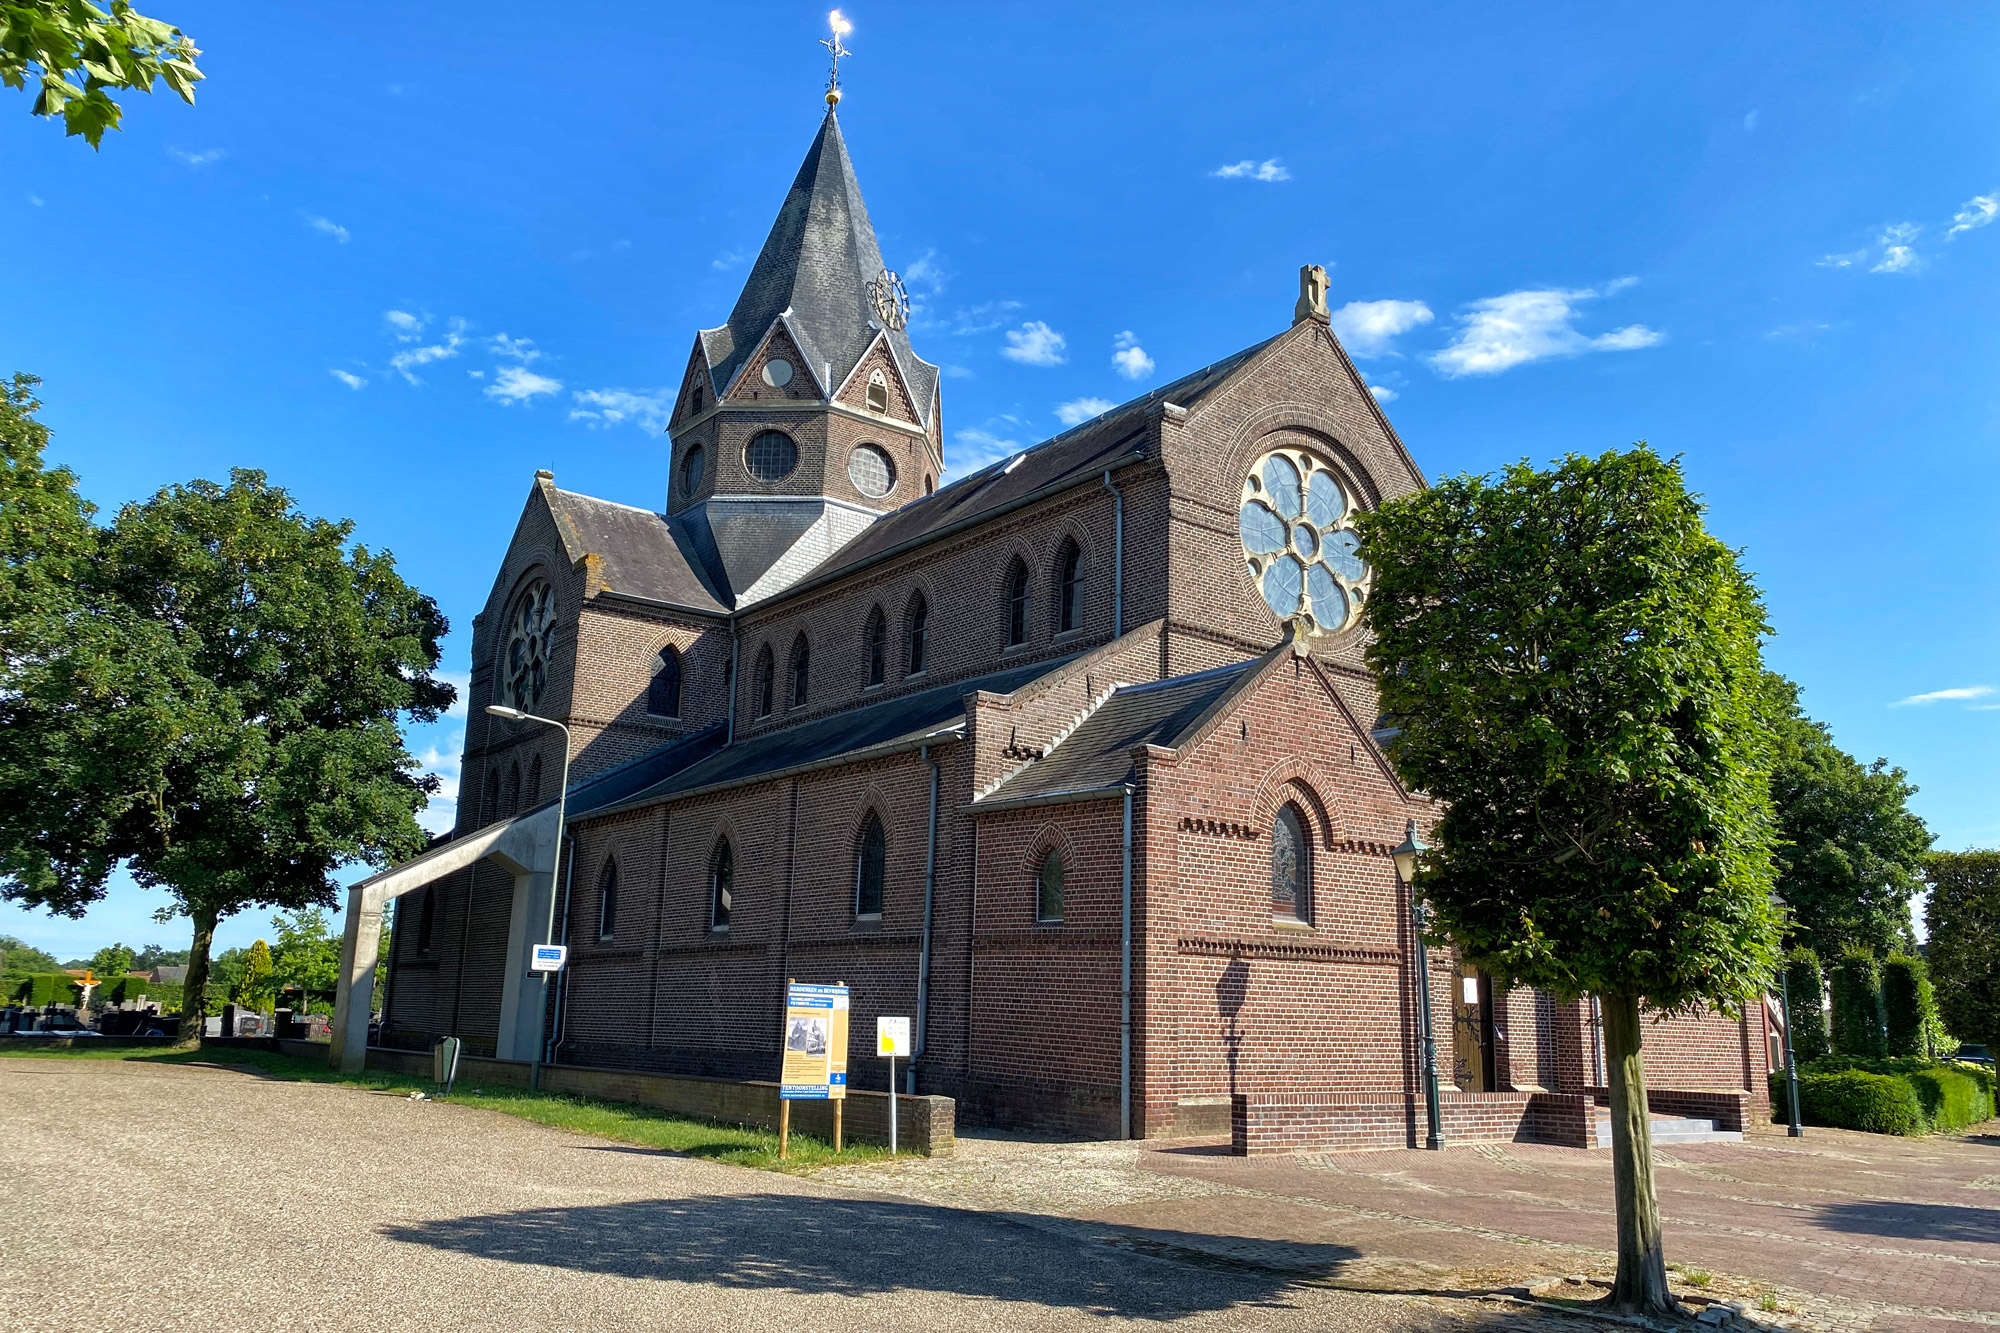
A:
(521, 349)
(1501, 332)
(35, 199)
(327, 225)
(200, 159)
(442, 812)
(723, 262)
(1750, 121)
(475, 374)
(408, 327)
(1366, 328)
(518, 384)
(952, 372)
(1248, 169)
(1617, 285)
(977, 448)
(1979, 211)
(647, 409)
(1959, 694)
(351, 381)
(405, 361)
(1128, 358)
(1383, 393)
(926, 274)
(1035, 344)
(1897, 255)
(1848, 260)
(983, 318)
(1082, 409)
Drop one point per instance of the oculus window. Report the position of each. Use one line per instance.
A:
(771, 455)
(693, 468)
(871, 471)
(1295, 520)
(530, 645)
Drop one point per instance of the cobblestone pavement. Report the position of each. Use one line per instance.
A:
(1848, 1231)
(186, 1198)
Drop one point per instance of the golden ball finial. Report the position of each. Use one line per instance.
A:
(833, 97)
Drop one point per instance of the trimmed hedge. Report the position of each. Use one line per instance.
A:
(43, 988)
(1889, 1096)
(1907, 1005)
(1857, 1005)
(1807, 986)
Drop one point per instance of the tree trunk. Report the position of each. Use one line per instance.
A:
(1641, 1287)
(194, 990)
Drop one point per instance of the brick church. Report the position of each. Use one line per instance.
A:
(1073, 760)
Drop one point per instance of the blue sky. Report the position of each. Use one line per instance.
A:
(401, 256)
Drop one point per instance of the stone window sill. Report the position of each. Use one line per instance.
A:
(1291, 925)
(868, 925)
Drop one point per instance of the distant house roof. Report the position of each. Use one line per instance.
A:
(170, 972)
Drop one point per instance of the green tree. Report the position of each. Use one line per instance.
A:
(158, 955)
(1851, 854)
(1964, 921)
(1856, 985)
(20, 960)
(1806, 984)
(66, 42)
(113, 960)
(255, 987)
(246, 742)
(1573, 662)
(308, 954)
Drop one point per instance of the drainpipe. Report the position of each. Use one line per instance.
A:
(1125, 986)
(924, 953)
(1117, 556)
(735, 652)
(562, 977)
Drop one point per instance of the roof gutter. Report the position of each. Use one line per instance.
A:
(1066, 797)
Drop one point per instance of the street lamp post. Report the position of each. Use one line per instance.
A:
(1795, 1129)
(1406, 856)
(555, 868)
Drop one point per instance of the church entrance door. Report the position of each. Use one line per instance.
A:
(1472, 1030)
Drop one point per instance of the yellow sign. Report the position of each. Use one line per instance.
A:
(815, 1055)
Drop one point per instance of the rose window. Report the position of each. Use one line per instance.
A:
(530, 646)
(1297, 542)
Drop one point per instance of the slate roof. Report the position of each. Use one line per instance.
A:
(1085, 450)
(645, 554)
(840, 738)
(617, 785)
(817, 263)
(1098, 754)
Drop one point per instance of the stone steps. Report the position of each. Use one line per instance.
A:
(1675, 1129)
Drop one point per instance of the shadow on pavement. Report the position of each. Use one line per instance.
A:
(863, 1247)
(1914, 1221)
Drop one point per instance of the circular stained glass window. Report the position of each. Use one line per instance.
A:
(1302, 554)
(771, 455)
(871, 471)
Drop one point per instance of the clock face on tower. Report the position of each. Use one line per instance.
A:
(891, 299)
(1298, 543)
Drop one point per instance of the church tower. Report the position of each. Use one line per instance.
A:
(808, 414)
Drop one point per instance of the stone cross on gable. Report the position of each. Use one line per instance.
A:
(1312, 296)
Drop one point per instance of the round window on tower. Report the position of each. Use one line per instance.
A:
(1295, 520)
(872, 471)
(771, 455)
(693, 468)
(777, 372)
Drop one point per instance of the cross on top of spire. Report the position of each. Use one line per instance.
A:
(841, 27)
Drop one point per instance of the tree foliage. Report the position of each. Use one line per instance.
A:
(113, 960)
(1909, 1007)
(308, 954)
(1806, 995)
(1574, 666)
(254, 988)
(81, 55)
(1851, 853)
(18, 959)
(1964, 921)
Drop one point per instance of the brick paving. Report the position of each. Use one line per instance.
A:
(1852, 1231)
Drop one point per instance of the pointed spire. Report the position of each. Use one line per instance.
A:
(817, 270)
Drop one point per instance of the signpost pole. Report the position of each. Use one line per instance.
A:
(837, 1104)
(784, 1126)
(892, 1105)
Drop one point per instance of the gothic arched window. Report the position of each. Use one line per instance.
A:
(492, 794)
(1017, 603)
(870, 865)
(531, 795)
(1069, 575)
(721, 885)
(1049, 888)
(426, 921)
(530, 645)
(875, 644)
(513, 790)
(801, 672)
(1291, 864)
(607, 900)
(917, 636)
(663, 692)
(766, 674)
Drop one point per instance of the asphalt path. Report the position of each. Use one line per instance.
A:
(142, 1196)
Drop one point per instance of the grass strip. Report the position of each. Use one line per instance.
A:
(622, 1122)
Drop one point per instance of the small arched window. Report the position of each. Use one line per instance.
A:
(1069, 602)
(663, 692)
(492, 795)
(426, 922)
(1290, 866)
(878, 392)
(1049, 888)
(870, 865)
(695, 401)
(766, 673)
(531, 795)
(930, 483)
(513, 789)
(607, 900)
(917, 636)
(801, 672)
(1017, 603)
(721, 885)
(875, 645)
